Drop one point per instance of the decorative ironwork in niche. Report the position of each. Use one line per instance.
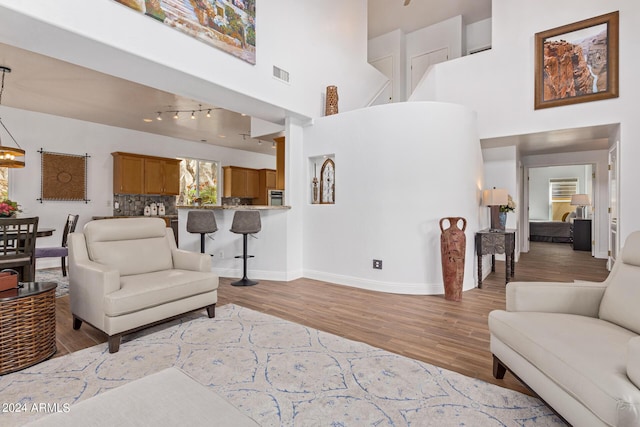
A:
(328, 182)
(64, 177)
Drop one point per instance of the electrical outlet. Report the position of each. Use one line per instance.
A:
(377, 264)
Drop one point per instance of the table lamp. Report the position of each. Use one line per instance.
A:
(580, 200)
(494, 198)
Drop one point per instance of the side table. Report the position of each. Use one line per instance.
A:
(496, 242)
(27, 325)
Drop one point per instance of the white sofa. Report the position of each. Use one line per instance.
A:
(126, 274)
(576, 345)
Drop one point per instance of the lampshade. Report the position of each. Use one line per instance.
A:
(495, 197)
(580, 200)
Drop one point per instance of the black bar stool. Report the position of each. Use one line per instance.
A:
(245, 223)
(202, 222)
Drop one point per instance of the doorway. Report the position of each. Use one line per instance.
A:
(553, 197)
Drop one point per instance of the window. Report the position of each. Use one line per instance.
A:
(198, 180)
(560, 192)
(562, 189)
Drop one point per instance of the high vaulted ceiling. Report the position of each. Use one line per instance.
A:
(389, 15)
(43, 84)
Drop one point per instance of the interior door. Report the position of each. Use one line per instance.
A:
(420, 64)
(614, 188)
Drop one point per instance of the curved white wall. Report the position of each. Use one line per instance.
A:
(399, 169)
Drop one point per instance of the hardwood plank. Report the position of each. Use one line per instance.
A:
(451, 335)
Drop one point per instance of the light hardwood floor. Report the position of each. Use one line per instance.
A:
(452, 335)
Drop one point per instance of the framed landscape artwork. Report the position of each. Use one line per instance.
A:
(577, 62)
(229, 25)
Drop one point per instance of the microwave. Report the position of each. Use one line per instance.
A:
(275, 197)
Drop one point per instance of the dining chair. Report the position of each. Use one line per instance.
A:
(17, 246)
(60, 251)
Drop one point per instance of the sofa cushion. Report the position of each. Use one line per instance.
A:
(141, 291)
(585, 356)
(131, 245)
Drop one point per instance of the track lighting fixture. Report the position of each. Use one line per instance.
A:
(194, 113)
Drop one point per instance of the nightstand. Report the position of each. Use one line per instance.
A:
(582, 235)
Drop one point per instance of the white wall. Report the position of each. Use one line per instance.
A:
(329, 39)
(502, 87)
(478, 36)
(395, 179)
(57, 134)
(500, 171)
(539, 207)
(434, 37)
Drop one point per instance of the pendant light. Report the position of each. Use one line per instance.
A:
(10, 157)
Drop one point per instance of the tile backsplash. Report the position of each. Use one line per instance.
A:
(133, 204)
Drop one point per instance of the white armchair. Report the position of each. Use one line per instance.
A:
(127, 274)
(577, 345)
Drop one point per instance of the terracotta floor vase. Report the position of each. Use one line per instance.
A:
(453, 245)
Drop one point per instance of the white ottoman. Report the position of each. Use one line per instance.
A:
(166, 398)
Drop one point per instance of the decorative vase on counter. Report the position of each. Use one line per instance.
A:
(453, 244)
(147, 211)
(161, 209)
(154, 209)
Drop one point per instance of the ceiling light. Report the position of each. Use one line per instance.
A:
(8, 154)
(193, 115)
(159, 118)
(175, 115)
(147, 120)
(209, 113)
(222, 136)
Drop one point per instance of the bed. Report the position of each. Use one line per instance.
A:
(550, 231)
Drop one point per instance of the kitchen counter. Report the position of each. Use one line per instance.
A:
(136, 216)
(269, 249)
(234, 207)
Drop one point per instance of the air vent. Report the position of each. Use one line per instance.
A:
(280, 74)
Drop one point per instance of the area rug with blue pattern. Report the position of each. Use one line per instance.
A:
(279, 373)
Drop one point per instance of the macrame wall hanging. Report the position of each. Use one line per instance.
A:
(64, 177)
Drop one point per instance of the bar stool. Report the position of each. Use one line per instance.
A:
(202, 222)
(245, 223)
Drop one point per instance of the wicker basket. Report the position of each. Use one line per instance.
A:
(27, 331)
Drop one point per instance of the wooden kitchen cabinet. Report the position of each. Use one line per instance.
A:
(140, 174)
(267, 180)
(128, 174)
(161, 176)
(241, 182)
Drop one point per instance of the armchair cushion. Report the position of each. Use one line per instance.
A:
(620, 301)
(131, 246)
(563, 348)
(142, 291)
(571, 298)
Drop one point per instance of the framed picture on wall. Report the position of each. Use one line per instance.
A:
(577, 62)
